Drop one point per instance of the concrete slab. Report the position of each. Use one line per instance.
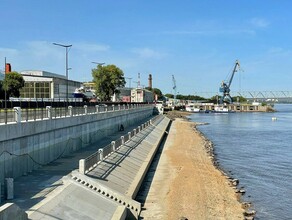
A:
(97, 195)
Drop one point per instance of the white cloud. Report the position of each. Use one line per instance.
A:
(91, 47)
(148, 53)
(259, 22)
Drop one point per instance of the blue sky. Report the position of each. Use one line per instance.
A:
(196, 41)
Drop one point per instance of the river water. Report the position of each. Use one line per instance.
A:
(258, 151)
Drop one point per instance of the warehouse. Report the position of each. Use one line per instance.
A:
(43, 84)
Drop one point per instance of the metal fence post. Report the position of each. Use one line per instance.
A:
(17, 114)
(70, 111)
(97, 108)
(113, 143)
(100, 151)
(123, 140)
(85, 109)
(49, 111)
(113, 106)
(129, 133)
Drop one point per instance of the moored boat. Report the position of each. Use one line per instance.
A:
(192, 108)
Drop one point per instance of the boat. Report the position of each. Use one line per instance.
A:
(221, 109)
(192, 108)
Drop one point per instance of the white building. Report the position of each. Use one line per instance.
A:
(42, 84)
(141, 95)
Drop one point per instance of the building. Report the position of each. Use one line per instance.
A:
(43, 84)
(124, 95)
(141, 95)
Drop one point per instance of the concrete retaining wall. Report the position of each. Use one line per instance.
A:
(28, 145)
(11, 211)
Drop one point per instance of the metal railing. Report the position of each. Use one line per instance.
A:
(89, 163)
(18, 114)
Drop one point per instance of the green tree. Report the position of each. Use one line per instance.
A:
(155, 91)
(2, 92)
(107, 80)
(240, 99)
(169, 95)
(12, 83)
(214, 99)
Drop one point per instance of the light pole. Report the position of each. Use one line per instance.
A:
(98, 63)
(67, 47)
(129, 81)
(5, 95)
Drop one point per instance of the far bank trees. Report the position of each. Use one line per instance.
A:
(107, 80)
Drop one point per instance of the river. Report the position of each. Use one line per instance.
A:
(258, 151)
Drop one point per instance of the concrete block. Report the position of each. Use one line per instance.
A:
(17, 114)
(82, 166)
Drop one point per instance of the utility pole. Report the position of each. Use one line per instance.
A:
(129, 81)
(67, 84)
(174, 89)
(5, 95)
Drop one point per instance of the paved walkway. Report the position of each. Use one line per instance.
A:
(33, 188)
(55, 192)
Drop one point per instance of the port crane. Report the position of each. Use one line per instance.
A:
(225, 85)
(174, 89)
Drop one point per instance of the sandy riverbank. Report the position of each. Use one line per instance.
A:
(186, 184)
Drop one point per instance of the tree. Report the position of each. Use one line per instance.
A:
(169, 95)
(12, 83)
(240, 99)
(107, 80)
(156, 91)
(2, 92)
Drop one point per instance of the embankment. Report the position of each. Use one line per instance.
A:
(26, 146)
(187, 184)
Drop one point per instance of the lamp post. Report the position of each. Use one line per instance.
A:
(5, 95)
(129, 80)
(66, 47)
(98, 63)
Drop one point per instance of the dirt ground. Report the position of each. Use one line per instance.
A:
(186, 184)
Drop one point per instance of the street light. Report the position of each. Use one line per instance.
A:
(129, 80)
(67, 47)
(98, 63)
(5, 87)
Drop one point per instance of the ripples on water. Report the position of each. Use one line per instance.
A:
(257, 151)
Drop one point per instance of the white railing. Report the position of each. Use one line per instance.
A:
(89, 163)
(18, 115)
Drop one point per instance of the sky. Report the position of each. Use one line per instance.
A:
(196, 41)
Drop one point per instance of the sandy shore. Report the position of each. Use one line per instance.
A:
(186, 184)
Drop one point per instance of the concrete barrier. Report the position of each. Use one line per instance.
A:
(11, 211)
(25, 146)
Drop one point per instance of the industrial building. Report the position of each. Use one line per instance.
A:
(43, 84)
(141, 95)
